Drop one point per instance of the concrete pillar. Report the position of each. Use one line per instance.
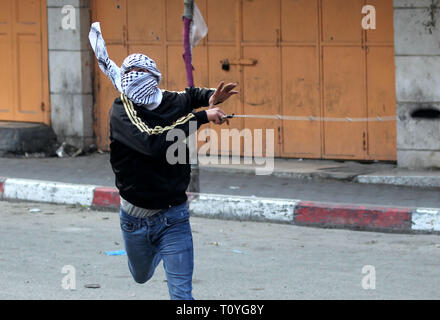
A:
(70, 73)
(417, 50)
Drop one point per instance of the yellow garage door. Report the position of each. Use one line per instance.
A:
(23, 61)
(315, 67)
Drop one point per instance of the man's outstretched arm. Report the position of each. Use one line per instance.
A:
(134, 132)
(194, 98)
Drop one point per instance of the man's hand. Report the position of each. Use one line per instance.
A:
(215, 115)
(222, 94)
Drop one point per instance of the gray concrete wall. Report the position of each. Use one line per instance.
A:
(417, 49)
(70, 74)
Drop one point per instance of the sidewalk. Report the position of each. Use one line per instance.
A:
(316, 193)
(370, 173)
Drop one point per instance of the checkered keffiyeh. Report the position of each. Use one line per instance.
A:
(140, 87)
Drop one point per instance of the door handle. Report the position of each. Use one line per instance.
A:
(242, 62)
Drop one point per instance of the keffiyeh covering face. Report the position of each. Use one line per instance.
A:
(139, 87)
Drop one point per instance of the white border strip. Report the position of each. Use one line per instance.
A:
(243, 208)
(426, 219)
(414, 181)
(46, 191)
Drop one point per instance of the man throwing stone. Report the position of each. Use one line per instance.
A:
(154, 215)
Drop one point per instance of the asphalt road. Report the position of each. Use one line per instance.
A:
(233, 260)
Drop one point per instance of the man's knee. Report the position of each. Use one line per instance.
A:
(140, 276)
(141, 279)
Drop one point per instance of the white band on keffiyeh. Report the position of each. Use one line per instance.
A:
(140, 87)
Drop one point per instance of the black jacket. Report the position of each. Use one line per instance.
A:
(138, 147)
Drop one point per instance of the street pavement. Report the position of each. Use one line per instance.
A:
(95, 170)
(233, 260)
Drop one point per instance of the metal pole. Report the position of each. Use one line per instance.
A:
(187, 55)
(188, 9)
(194, 185)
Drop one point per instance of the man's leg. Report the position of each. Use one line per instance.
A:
(143, 257)
(176, 250)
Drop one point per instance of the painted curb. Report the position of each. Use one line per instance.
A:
(426, 219)
(291, 211)
(241, 207)
(47, 191)
(353, 216)
(408, 181)
(106, 198)
(2, 182)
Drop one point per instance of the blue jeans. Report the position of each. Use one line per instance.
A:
(165, 236)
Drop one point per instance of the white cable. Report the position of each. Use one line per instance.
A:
(312, 118)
